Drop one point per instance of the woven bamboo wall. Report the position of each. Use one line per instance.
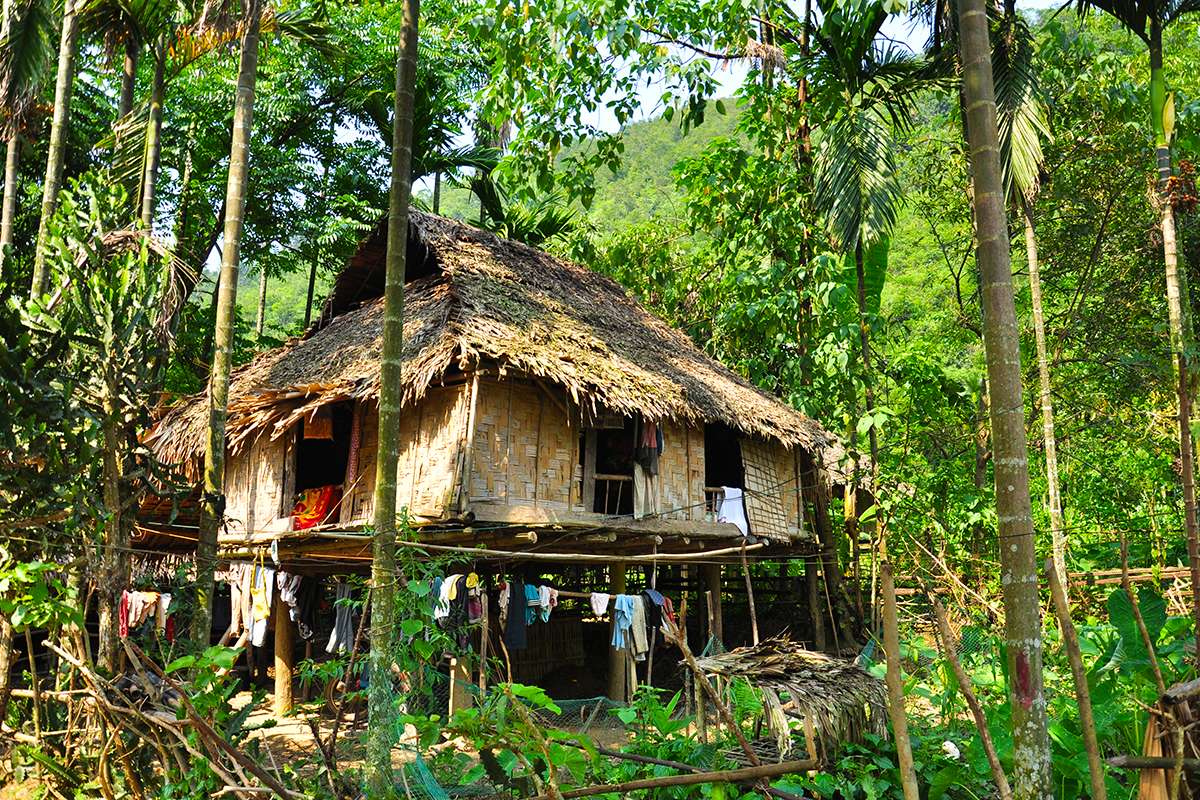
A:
(789, 489)
(430, 451)
(695, 473)
(255, 484)
(524, 449)
(674, 487)
(430, 433)
(764, 504)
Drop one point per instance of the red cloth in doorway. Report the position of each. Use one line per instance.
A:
(315, 507)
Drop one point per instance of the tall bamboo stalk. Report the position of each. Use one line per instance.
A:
(1018, 560)
(8, 212)
(212, 506)
(381, 699)
(1058, 538)
(68, 50)
(1083, 696)
(895, 685)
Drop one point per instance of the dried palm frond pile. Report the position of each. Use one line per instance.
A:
(841, 700)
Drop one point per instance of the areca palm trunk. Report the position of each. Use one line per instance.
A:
(1018, 564)
(212, 507)
(12, 165)
(1177, 306)
(381, 706)
(68, 50)
(1058, 537)
(129, 67)
(153, 153)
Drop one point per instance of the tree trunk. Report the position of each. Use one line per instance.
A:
(68, 49)
(260, 318)
(153, 152)
(895, 685)
(212, 506)
(12, 161)
(316, 258)
(115, 554)
(1058, 537)
(1177, 310)
(128, 79)
(864, 338)
(7, 653)
(1018, 564)
(381, 698)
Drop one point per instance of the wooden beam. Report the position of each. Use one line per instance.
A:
(712, 584)
(501, 512)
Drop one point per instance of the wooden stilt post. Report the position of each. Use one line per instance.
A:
(712, 584)
(460, 677)
(617, 680)
(285, 658)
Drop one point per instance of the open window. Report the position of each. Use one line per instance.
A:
(722, 466)
(606, 455)
(322, 455)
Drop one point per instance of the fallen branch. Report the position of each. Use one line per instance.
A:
(1153, 762)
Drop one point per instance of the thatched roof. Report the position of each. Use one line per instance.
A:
(840, 698)
(474, 298)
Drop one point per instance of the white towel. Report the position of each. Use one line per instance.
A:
(733, 509)
(599, 603)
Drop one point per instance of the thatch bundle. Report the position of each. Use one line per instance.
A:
(841, 700)
(474, 299)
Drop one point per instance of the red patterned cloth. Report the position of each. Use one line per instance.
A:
(315, 506)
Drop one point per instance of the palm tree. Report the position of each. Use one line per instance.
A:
(1023, 126)
(865, 86)
(26, 34)
(381, 698)
(218, 388)
(1023, 624)
(1148, 19)
(68, 49)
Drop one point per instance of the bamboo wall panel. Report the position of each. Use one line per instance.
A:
(673, 478)
(524, 422)
(430, 453)
(695, 468)
(489, 473)
(255, 483)
(764, 505)
(556, 449)
(789, 489)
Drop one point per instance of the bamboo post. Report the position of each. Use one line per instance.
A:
(460, 676)
(285, 658)
(483, 645)
(750, 595)
(616, 658)
(895, 684)
(35, 685)
(1083, 697)
(712, 581)
(950, 648)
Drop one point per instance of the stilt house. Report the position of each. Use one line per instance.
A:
(526, 381)
(546, 417)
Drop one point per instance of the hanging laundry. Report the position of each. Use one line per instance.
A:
(599, 601)
(240, 576)
(474, 599)
(648, 448)
(622, 619)
(514, 626)
(135, 608)
(261, 591)
(533, 599)
(315, 507)
(733, 509)
(299, 593)
(653, 611)
(640, 640)
(546, 601)
(665, 608)
(342, 637)
(447, 593)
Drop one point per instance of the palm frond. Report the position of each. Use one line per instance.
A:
(1133, 14)
(1021, 114)
(26, 53)
(126, 140)
(856, 188)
